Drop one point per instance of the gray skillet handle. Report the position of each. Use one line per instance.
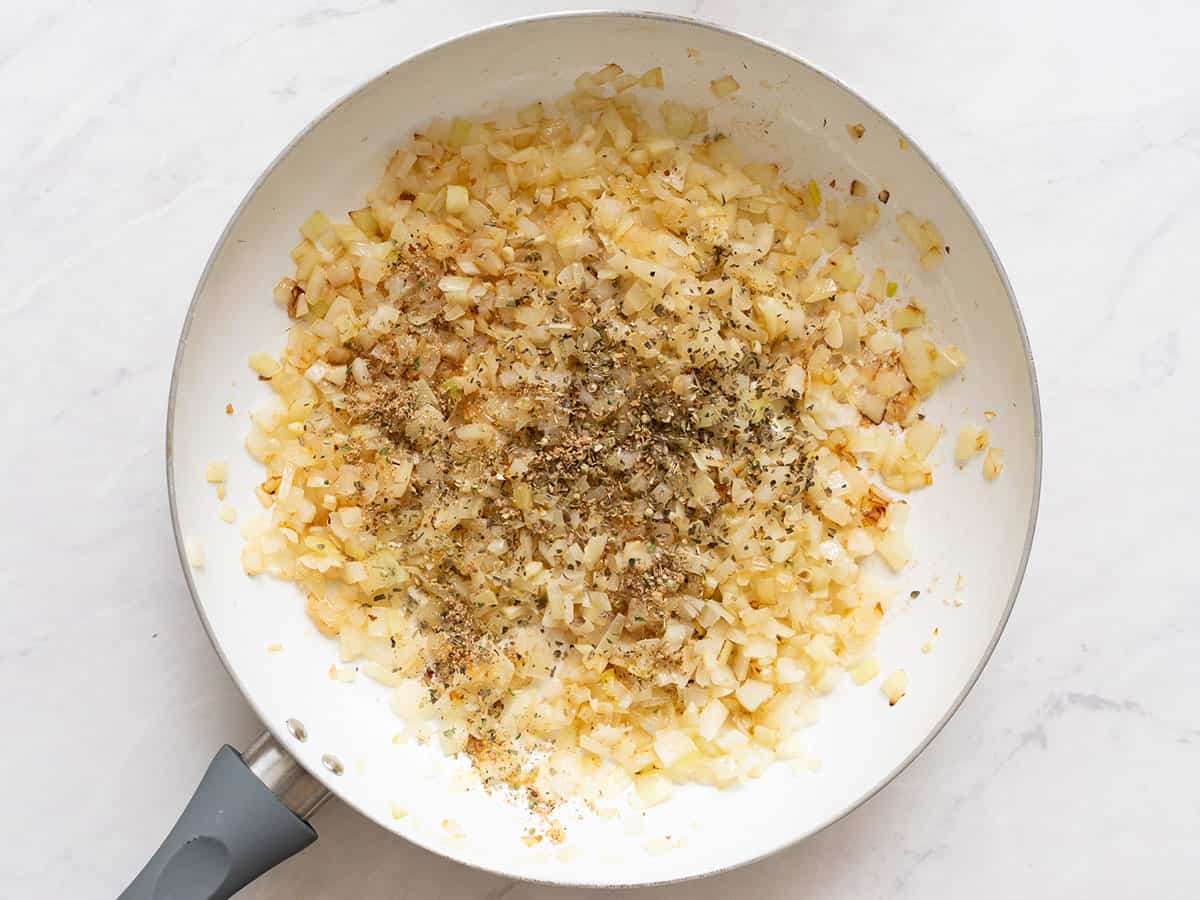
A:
(234, 828)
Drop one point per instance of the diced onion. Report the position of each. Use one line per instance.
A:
(725, 86)
(865, 671)
(425, 465)
(895, 686)
(971, 440)
(993, 463)
(457, 199)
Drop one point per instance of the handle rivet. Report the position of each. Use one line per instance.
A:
(297, 729)
(333, 764)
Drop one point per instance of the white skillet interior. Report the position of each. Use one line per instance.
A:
(961, 527)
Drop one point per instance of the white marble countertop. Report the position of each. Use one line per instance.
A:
(132, 130)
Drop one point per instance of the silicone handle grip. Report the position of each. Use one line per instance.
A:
(233, 830)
